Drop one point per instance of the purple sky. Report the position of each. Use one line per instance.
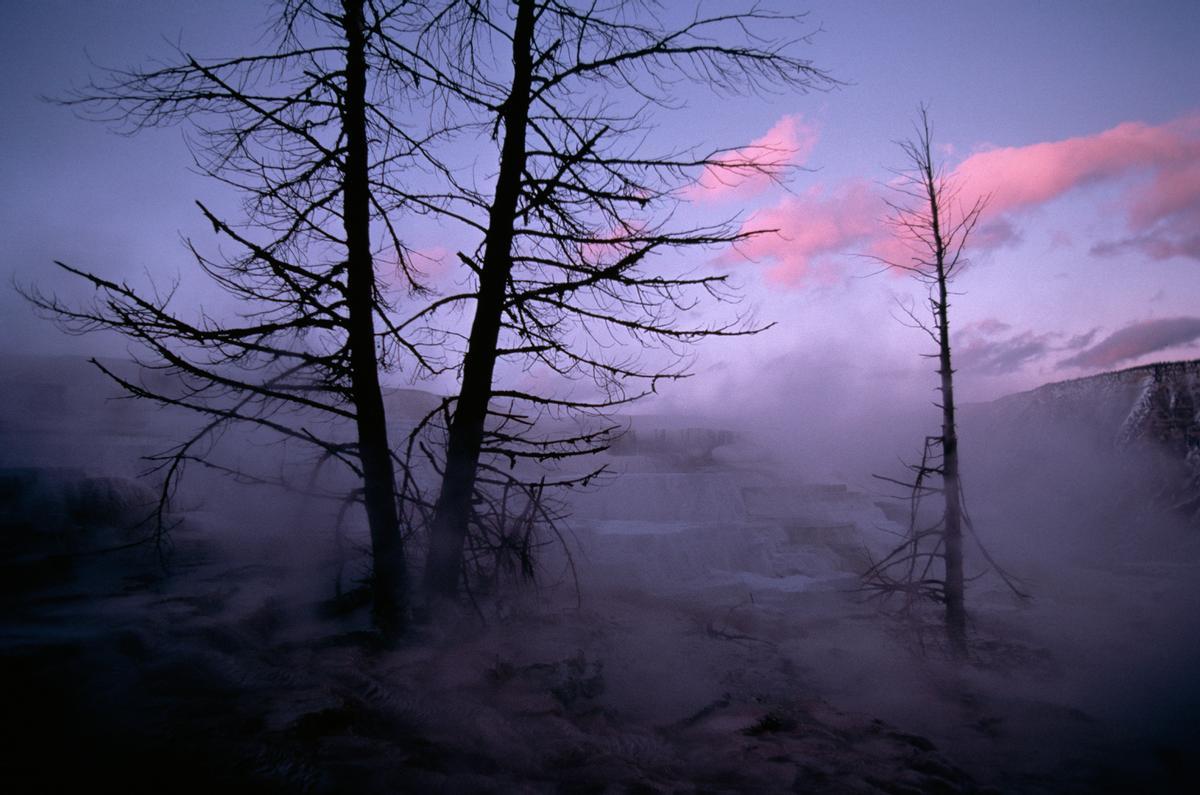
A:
(1081, 120)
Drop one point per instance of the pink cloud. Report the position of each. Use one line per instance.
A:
(1164, 216)
(752, 169)
(1162, 204)
(428, 266)
(1023, 176)
(800, 237)
(800, 229)
(1156, 169)
(1175, 190)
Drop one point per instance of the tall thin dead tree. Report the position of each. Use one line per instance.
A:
(579, 216)
(929, 218)
(307, 134)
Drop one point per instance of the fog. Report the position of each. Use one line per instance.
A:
(703, 629)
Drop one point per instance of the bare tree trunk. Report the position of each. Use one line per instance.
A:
(453, 510)
(379, 490)
(956, 617)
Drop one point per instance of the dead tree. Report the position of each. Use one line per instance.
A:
(307, 134)
(930, 219)
(572, 274)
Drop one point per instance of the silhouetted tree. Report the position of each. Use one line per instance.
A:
(929, 218)
(308, 134)
(578, 210)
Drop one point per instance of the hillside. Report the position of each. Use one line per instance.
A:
(1145, 419)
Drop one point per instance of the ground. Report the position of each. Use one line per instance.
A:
(216, 675)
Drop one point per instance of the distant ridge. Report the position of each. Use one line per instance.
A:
(1152, 408)
(1159, 371)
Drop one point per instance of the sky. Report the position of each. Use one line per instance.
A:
(1080, 122)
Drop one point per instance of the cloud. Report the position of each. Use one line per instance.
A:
(987, 347)
(1173, 240)
(1163, 213)
(1161, 165)
(1155, 168)
(1136, 340)
(752, 169)
(1023, 176)
(1081, 340)
(999, 357)
(809, 232)
(989, 326)
(796, 232)
(430, 266)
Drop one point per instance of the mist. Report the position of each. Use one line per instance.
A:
(703, 621)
